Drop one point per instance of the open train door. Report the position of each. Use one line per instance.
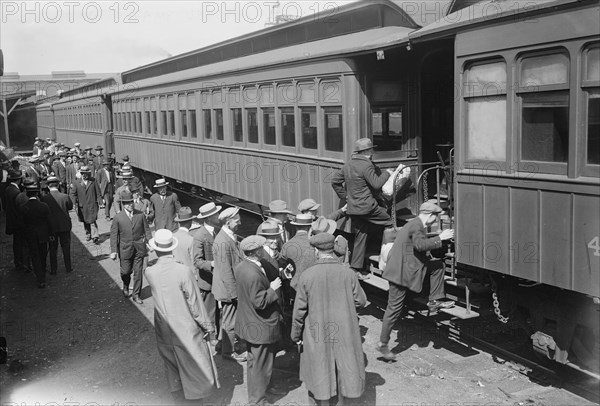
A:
(109, 140)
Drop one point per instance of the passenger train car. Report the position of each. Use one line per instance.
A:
(501, 96)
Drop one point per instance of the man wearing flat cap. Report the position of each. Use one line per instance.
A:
(99, 158)
(86, 195)
(358, 183)
(327, 295)
(166, 205)
(258, 321)
(279, 214)
(59, 204)
(226, 254)
(204, 238)
(106, 181)
(129, 234)
(407, 265)
(182, 325)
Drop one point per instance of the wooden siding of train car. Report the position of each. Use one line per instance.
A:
(91, 137)
(45, 122)
(530, 225)
(252, 174)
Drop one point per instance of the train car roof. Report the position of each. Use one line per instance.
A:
(96, 88)
(483, 12)
(344, 45)
(350, 18)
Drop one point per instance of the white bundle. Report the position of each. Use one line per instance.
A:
(388, 188)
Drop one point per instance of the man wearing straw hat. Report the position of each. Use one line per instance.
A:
(204, 262)
(166, 205)
(298, 251)
(181, 323)
(125, 177)
(258, 320)
(87, 199)
(129, 234)
(226, 256)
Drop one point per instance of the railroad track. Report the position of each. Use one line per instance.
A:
(581, 383)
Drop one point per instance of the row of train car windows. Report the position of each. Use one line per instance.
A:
(543, 94)
(66, 119)
(246, 124)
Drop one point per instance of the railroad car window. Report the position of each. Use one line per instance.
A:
(148, 125)
(592, 88)
(207, 124)
(287, 93)
(250, 95)
(288, 127)
(219, 123)
(331, 92)
(184, 127)
(134, 127)
(484, 90)
(236, 116)
(334, 134)
(128, 125)
(545, 127)
(171, 123)
(269, 137)
(193, 130)
(544, 70)
(387, 127)
(154, 123)
(306, 93)
(267, 95)
(308, 117)
(252, 121)
(163, 122)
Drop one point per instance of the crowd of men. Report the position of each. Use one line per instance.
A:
(292, 286)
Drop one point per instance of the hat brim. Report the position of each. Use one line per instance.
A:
(177, 219)
(281, 212)
(300, 224)
(269, 234)
(153, 245)
(212, 213)
(164, 184)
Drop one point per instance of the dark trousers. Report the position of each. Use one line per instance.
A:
(397, 293)
(228, 311)
(211, 308)
(363, 225)
(133, 265)
(91, 229)
(260, 367)
(38, 252)
(19, 245)
(108, 202)
(65, 243)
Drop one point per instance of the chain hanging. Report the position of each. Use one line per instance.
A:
(496, 303)
(425, 188)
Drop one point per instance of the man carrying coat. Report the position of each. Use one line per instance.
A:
(166, 205)
(86, 195)
(407, 264)
(325, 323)
(129, 234)
(181, 323)
(259, 318)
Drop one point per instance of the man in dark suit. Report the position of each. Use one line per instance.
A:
(298, 251)
(15, 225)
(87, 198)
(38, 230)
(33, 171)
(258, 320)
(99, 158)
(60, 171)
(106, 181)
(204, 262)
(129, 235)
(407, 265)
(166, 205)
(59, 204)
(358, 183)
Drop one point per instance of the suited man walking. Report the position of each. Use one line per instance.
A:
(106, 181)
(407, 266)
(258, 320)
(15, 225)
(204, 262)
(38, 229)
(59, 168)
(59, 204)
(166, 205)
(129, 235)
(87, 196)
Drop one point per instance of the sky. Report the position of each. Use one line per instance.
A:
(39, 37)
